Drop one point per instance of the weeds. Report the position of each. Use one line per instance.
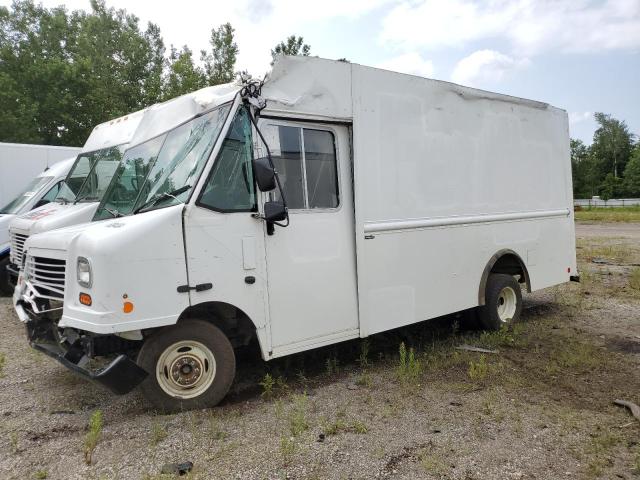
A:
(409, 368)
(634, 282)
(340, 425)
(272, 387)
(3, 360)
(93, 436)
(363, 359)
(364, 380)
(298, 416)
(13, 441)
(598, 452)
(432, 463)
(478, 370)
(331, 366)
(41, 475)
(287, 448)
(158, 434)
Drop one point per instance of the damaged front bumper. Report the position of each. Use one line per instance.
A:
(120, 376)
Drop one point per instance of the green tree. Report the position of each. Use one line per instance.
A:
(62, 73)
(632, 173)
(612, 187)
(220, 64)
(291, 46)
(184, 75)
(612, 144)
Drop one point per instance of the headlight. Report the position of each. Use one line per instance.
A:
(85, 277)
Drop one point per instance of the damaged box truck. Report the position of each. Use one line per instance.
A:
(333, 201)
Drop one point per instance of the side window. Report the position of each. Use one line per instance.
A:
(51, 194)
(230, 186)
(305, 159)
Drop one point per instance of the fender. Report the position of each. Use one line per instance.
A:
(489, 267)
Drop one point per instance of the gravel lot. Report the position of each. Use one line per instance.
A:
(539, 408)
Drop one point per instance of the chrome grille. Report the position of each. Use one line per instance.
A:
(17, 247)
(46, 276)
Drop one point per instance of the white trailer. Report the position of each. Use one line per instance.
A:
(403, 199)
(21, 162)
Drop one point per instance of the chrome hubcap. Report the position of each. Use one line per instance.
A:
(186, 369)
(507, 304)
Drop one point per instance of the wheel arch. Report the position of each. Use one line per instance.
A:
(504, 261)
(232, 320)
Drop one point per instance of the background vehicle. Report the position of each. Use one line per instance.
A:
(403, 199)
(82, 189)
(40, 191)
(21, 162)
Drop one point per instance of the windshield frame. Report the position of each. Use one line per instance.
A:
(232, 104)
(121, 146)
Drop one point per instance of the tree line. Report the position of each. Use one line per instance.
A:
(63, 72)
(610, 166)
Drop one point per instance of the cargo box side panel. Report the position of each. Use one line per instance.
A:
(446, 176)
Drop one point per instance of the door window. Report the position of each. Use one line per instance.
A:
(230, 186)
(305, 159)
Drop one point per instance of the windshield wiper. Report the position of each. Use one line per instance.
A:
(114, 213)
(64, 200)
(162, 196)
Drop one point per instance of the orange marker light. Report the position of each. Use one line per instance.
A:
(85, 299)
(127, 307)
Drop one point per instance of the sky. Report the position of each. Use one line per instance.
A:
(579, 55)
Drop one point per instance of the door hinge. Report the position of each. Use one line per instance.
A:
(201, 287)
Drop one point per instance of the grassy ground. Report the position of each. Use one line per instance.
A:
(405, 404)
(613, 214)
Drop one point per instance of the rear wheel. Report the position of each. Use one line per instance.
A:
(5, 286)
(191, 365)
(503, 302)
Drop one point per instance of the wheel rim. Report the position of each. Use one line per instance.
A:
(507, 304)
(186, 369)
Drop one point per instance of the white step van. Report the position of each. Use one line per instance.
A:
(396, 199)
(80, 193)
(38, 192)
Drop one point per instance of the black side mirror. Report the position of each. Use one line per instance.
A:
(265, 174)
(275, 212)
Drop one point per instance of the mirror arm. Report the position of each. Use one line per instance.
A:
(280, 189)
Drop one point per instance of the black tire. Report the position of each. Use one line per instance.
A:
(5, 287)
(160, 342)
(500, 287)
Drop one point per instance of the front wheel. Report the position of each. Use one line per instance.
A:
(191, 365)
(503, 302)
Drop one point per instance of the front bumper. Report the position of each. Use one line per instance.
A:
(120, 376)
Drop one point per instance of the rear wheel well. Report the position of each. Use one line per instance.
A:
(507, 262)
(233, 322)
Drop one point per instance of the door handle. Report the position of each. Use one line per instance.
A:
(201, 287)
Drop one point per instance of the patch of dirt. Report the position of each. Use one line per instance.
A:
(539, 409)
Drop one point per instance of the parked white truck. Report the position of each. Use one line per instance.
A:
(39, 191)
(403, 199)
(80, 193)
(21, 162)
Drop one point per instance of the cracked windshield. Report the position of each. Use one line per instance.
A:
(162, 171)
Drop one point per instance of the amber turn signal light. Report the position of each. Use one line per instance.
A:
(85, 299)
(127, 307)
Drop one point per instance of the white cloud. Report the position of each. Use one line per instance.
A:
(529, 26)
(579, 117)
(485, 67)
(259, 24)
(411, 63)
